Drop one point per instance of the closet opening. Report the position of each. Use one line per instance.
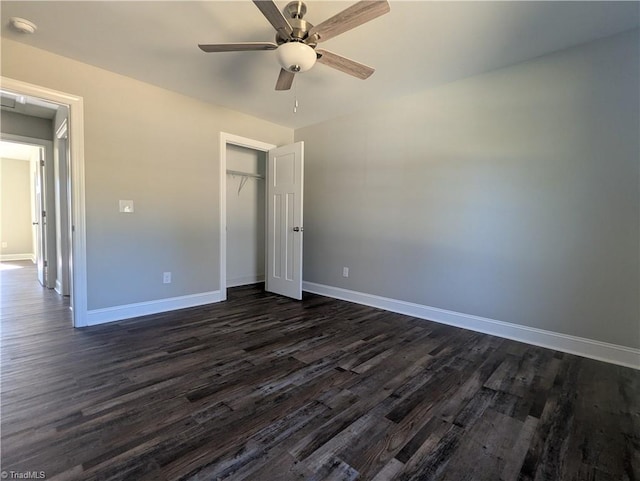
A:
(243, 210)
(246, 212)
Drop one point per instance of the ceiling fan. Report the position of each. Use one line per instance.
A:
(296, 39)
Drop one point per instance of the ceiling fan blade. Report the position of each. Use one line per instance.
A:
(272, 13)
(285, 80)
(237, 47)
(344, 64)
(351, 17)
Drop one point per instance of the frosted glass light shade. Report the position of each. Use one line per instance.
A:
(296, 56)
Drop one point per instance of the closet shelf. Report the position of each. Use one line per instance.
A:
(245, 174)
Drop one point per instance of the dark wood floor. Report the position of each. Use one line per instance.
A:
(264, 388)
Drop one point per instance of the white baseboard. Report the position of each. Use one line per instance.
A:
(245, 280)
(128, 311)
(602, 351)
(17, 257)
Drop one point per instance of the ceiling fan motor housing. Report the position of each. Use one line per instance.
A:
(295, 11)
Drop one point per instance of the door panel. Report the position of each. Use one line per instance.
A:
(39, 220)
(284, 220)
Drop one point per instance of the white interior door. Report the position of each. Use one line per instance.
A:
(40, 219)
(284, 220)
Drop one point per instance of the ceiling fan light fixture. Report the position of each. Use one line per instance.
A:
(296, 56)
(296, 39)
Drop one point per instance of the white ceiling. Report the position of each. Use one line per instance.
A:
(419, 44)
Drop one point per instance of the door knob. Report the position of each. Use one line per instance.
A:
(298, 229)
(34, 223)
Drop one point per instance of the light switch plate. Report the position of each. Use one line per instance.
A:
(126, 206)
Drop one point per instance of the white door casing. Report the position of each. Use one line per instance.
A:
(62, 209)
(39, 219)
(285, 220)
(230, 139)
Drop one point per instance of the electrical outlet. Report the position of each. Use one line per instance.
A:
(345, 272)
(166, 277)
(5, 245)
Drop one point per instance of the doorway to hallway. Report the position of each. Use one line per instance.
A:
(18, 96)
(28, 309)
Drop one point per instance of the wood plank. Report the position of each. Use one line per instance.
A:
(263, 387)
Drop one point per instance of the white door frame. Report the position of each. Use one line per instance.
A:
(47, 145)
(78, 253)
(45, 235)
(230, 139)
(63, 208)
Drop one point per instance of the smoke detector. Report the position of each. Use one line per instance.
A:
(23, 25)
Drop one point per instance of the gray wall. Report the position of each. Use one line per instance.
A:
(245, 217)
(513, 195)
(26, 125)
(159, 149)
(15, 206)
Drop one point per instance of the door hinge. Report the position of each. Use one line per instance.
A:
(44, 213)
(46, 263)
(41, 162)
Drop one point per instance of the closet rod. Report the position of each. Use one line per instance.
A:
(245, 174)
